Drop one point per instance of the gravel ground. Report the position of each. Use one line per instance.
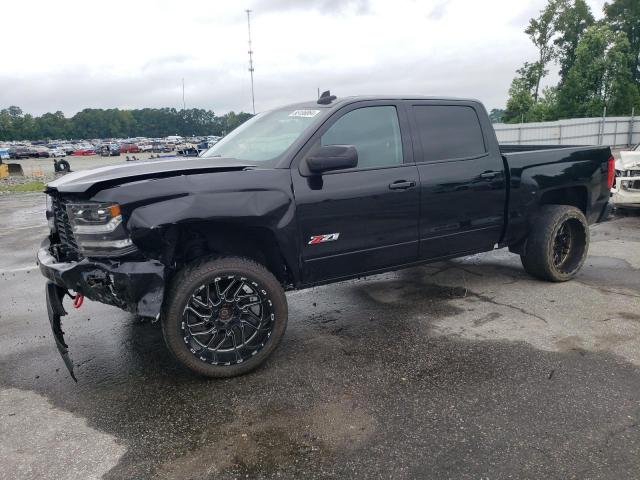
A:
(467, 369)
(21, 180)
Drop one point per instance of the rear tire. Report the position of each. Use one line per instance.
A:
(224, 316)
(557, 245)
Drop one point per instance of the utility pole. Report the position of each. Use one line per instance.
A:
(253, 98)
(183, 104)
(184, 107)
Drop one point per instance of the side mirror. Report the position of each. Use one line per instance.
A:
(332, 157)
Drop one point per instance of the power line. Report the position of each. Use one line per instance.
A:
(253, 99)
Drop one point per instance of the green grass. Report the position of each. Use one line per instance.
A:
(35, 186)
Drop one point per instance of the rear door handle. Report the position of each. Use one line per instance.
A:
(402, 185)
(489, 175)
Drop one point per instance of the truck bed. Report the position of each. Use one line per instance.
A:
(538, 172)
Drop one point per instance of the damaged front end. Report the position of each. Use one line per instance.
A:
(89, 252)
(134, 286)
(626, 190)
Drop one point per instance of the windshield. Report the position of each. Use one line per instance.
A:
(264, 137)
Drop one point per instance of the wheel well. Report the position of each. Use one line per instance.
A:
(574, 196)
(195, 240)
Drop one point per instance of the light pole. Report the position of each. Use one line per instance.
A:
(253, 98)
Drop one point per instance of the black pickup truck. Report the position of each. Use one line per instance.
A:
(308, 194)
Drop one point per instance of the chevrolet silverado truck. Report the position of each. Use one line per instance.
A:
(304, 195)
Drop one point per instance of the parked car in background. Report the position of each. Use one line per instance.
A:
(18, 153)
(188, 150)
(157, 147)
(145, 147)
(110, 150)
(626, 191)
(129, 148)
(4, 153)
(68, 148)
(41, 152)
(85, 150)
(57, 152)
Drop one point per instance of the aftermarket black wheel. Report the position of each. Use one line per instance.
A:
(224, 316)
(558, 243)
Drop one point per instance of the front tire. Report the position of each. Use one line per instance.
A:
(224, 316)
(557, 245)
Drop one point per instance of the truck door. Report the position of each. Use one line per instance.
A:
(365, 218)
(462, 182)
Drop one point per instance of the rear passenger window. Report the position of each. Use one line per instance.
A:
(448, 132)
(375, 133)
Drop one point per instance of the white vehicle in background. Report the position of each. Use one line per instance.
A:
(57, 152)
(145, 147)
(626, 189)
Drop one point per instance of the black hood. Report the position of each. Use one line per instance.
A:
(80, 182)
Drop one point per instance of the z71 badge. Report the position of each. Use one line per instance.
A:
(329, 237)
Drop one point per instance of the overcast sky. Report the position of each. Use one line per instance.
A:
(71, 54)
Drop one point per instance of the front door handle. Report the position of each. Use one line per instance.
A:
(489, 175)
(402, 185)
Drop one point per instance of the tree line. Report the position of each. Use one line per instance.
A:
(116, 123)
(598, 61)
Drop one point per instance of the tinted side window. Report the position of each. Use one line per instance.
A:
(374, 131)
(448, 131)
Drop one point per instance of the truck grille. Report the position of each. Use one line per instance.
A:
(63, 228)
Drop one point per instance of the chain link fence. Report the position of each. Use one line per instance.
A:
(616, 132)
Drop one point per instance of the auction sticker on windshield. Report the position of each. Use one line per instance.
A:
(304, 113)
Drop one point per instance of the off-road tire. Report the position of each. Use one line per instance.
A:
(186, 281)
(538, 256)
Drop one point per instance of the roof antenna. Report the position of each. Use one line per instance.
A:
(326, 98)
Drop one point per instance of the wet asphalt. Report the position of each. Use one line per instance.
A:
(467, 369)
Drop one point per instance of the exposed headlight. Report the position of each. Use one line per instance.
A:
(98, 228)
(94, 217)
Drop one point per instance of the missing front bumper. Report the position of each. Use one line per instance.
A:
(134, 286)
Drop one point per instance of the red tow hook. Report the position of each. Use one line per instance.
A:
(77, 300)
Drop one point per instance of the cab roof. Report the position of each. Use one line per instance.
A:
(341, 101)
